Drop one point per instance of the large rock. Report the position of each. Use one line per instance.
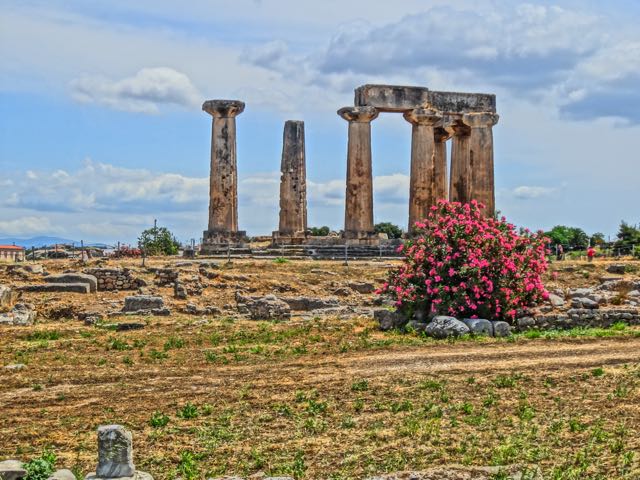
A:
(62, 474)
(580, 292)
(268, 307)
(501, 329)
(556, 300)
(389, 319)
(584, 302)
(22, 314)
(478, 326)
(310, 303)
(74, 278)
(12, 470)
(136, 303)
(443, 327)
(362, 287)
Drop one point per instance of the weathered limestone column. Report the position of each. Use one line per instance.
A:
(459, 179)
(427, 174)
(481, 179)
(293, 183)
(223, 186)
(441, 136)
(358, 217)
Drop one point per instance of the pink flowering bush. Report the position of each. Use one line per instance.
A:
(468, 266)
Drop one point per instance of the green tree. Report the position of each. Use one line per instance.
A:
(320, 231)
(392, 231)
(628, 238)
(571, 237)
(158, 241)
(597, 239)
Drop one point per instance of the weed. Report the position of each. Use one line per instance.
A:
(173, 342)
(117, 344)
(158, 419)
(597, 372)
(360, 386)
(280, 260)
(188, 411)
(44, 335)
(42, 467)
(506, 381)
(158, 355)
(188, 466)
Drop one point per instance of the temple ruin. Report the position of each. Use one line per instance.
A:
(436, 117)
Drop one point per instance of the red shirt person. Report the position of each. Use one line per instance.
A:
(591, 252)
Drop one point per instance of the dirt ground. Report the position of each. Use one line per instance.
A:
(317, 397)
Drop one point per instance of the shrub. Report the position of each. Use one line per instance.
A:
(42, 467)
(392, 231)
(465, 265)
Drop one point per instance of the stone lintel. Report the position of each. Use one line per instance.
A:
(223, 108)
(391, 98)
(395, 98)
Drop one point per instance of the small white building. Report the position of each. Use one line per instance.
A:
(12, 253)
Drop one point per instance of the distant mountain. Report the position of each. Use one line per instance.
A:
(36, 241)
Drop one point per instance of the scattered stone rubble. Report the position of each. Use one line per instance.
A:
(165, 276)
(7, 296)
(22, 314)
(268, 307)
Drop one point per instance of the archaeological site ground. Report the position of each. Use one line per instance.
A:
(321, 392)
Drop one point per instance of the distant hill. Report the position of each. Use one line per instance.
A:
(36, 241)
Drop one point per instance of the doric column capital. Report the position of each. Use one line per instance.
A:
(441, 134)
(458, 129)
(423, 116)
(358, 114)
(480, 120)
(223, 108)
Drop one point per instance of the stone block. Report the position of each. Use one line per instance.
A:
(12, 470)
(115, 452)
(6, 296)
(310, 303)
(137, 303)
(22, 314)
(58, 288)
(74, 278)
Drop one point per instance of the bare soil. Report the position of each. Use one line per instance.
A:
(315, 398)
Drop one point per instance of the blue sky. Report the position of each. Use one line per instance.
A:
(101, 129)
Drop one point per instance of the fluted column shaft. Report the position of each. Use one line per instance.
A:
(459, 179)
(425, 169)
(442, 178)
(481, 178)
(223, 182)
(358, 217)
(293, 182)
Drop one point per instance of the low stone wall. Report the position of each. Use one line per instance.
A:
(165, 276)
(115, 279)
(580, 317)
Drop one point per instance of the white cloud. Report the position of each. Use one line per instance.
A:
(28, 225)
(528, 192)
(144, 92)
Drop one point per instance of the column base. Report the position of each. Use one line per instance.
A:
(285, 238)
(362, 238)
(214, 241)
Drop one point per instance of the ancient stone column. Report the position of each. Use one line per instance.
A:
(427, 173)
(481, 180)
(442, 175)
(459, 176)
(223, 186)
(293, 182)
(358, 217)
